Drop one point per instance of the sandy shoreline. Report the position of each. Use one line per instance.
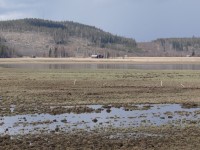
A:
(169, 60)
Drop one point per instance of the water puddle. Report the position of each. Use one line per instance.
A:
(101, 117)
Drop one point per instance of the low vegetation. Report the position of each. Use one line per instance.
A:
(27, 88)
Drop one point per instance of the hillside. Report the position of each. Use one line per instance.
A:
(172, 47)
(37, 37)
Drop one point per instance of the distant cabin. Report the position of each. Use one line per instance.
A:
(97, 56)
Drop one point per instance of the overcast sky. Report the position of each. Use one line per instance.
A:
(143, 20)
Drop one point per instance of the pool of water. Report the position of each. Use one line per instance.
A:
(105, 66)
(155, 115)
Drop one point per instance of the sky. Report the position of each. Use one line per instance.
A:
(143, 20)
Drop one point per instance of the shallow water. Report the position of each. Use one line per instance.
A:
(105, 66)
(156, 115)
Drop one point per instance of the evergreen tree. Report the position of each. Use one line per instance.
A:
(50, 52)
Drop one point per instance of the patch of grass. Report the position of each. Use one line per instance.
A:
(38, 88)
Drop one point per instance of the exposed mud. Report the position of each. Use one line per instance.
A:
(191, 105)
(101, 109)
(151, 138)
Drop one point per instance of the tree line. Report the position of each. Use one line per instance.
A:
(5, 51)
(61, 31)
(58, 52)
(180, 44)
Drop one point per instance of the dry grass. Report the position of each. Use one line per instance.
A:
(183, 60)
(28, 88)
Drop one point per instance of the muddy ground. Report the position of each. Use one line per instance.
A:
(151, 138)
(38, 91)
(33, 91)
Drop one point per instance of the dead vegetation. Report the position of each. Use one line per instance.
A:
(35, 91)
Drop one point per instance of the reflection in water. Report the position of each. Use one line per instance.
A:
(105, 66)
(155, 115)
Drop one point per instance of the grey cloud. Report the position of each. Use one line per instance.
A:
(140, 19)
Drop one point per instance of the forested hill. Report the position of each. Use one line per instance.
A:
(28, 37)
(172, 47)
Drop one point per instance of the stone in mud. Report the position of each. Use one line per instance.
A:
(106, 106)
(95, 120)
(98, 110)
(108, 110)
(64, 120)
(25, 119)
(57, 129)
(162, 117)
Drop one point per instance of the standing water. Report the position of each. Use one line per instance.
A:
(105, 66)
(101, 117)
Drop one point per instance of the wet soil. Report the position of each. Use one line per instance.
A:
(172, 138)
(36, 91)
(49, 109)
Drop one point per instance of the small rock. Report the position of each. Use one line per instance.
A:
(64, 120)
(95, 120)
(108, 110)
(57, 129)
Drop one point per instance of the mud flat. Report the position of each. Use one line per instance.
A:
(99, 108)
(172, 138)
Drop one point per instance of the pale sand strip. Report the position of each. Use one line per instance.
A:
(110, 60)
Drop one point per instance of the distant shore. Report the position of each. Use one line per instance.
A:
(182, 60)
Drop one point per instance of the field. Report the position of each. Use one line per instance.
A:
(72, 91)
